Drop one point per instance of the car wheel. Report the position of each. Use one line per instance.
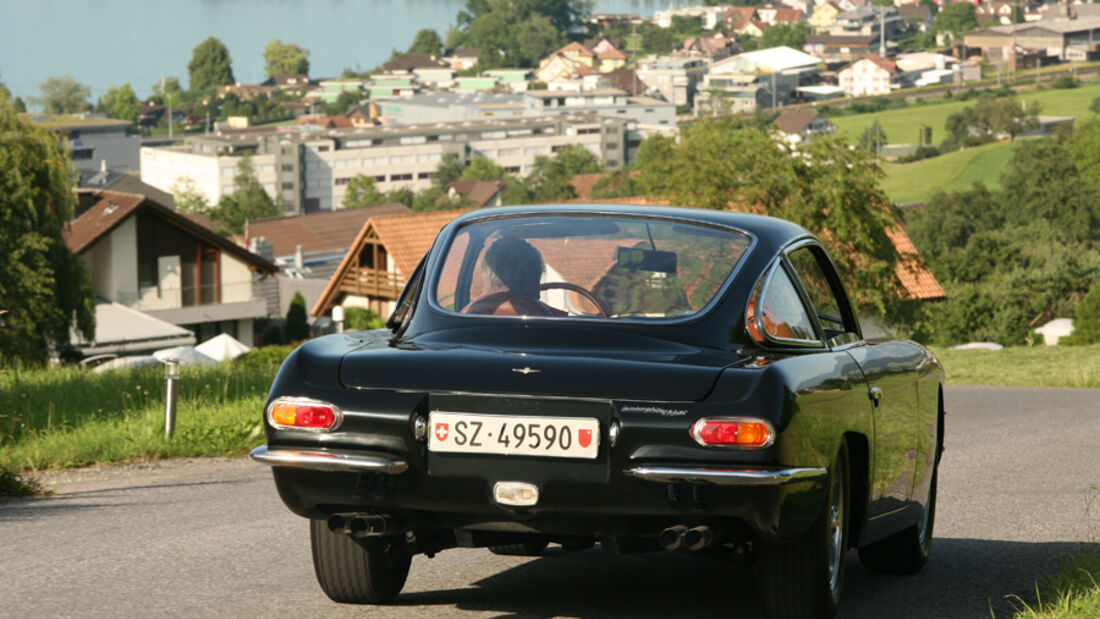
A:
(369, 570)
(907, 551)
(804, 579)
(525, 549)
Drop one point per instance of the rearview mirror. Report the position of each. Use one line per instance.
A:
(638, 259)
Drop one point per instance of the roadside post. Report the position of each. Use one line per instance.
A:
(338, 318)
(171, 375)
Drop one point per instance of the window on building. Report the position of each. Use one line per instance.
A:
(287, 167)
(401, 177)
(82, 153)
(288, 186)
(423, 175)
(512, 169)
(342, 181)
(198, 281)
(381, 178)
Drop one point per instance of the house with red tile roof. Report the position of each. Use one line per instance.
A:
(480, 192)
(149, 259)
(380, 260)
(870, 75)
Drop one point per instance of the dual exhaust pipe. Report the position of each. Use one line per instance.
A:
(679, 536)
(360, 525)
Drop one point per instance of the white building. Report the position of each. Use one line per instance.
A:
(762, 78)
(310, 169)
(870, 75)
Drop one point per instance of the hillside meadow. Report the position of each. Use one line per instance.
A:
(902, 125)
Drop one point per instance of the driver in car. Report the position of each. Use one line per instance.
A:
(512, 270)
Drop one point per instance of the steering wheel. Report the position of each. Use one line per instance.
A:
(579, 290)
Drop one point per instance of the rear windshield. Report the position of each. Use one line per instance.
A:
(591, 266)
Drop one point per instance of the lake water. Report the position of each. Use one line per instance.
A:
(109, 42)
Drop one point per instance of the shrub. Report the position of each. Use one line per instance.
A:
(13, 485)
(1086, 320)
(362, 319)
(1065, 81)
(296, 327)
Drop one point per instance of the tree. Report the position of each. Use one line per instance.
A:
(792, 35)
(63, 95)
(362, 319)
(187, 196)
(427, 41)
(827, 187)
(550, 176)
(44, 289)
(873, 138)
(1042, 181)
(285, 58)
(361, 192)
(19, 105)
(210, 67)
(402, 195)
(296, 327)
(248, 202)
(1086, 319)
(955, 18)
(482, 168)
(343, 101)
(515, 33)
(120, 102)
(450, 169)
(1094, 107)
(167, 89)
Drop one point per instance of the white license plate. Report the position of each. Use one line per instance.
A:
(558, 437)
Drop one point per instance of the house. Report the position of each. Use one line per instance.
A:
(870, 20)
(93, 139)
(919, 15)
(364, 115)
(380, 260)
(290, 82)
(480, 192)
(782, 15)
(798, 126)
(757, 79)
(824, 16)
(675, 78)
(995, 12)
(410, 62)
(870, 75)
(609, 59)
(739, 15)
(841, 46)
(1065, 39)
(146, 257)
(557, 67)
(753, 29)
(515, 80)
(329, 91)
(338, 121)
(244, 92)
(461, 58)
(711, 46)
(308, 248)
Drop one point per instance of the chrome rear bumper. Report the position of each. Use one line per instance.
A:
(725, 477)
(328, 460)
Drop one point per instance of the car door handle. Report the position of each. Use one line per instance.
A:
(875, 393)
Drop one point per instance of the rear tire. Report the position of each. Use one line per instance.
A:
(525, 549)
(369, 570)
(804, 579)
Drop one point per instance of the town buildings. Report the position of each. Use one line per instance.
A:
(309, 169)
(758, 79)
(93, 141)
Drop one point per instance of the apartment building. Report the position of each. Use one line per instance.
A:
(675, 78)
(311, 167)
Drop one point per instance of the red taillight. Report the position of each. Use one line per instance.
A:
(733, 432)
(304, 414)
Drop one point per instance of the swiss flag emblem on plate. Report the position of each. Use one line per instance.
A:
(441, 431)
(584, 437)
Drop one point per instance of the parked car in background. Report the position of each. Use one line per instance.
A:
(643, 378)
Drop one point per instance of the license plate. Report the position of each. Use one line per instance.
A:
(557, 437)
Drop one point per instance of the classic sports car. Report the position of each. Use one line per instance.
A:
(644, 378)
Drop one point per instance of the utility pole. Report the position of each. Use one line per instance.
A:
(773, 89)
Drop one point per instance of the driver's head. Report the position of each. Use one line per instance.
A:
(515, 265)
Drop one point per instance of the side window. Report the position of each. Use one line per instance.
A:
(781, 310)
(808, 266)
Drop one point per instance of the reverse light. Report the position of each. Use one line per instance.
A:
(304, 414)
(733, 432)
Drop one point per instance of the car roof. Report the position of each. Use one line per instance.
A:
(770, 232)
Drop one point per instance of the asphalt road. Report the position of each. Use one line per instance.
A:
(210, 538)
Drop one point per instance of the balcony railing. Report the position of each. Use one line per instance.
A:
(372, 283)
(149, 298)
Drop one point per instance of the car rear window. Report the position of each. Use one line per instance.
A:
(587, 265)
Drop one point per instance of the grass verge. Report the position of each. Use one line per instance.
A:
(1037, 366)
(67, 417)
(1072, 591)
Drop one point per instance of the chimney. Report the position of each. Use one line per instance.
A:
(299, 258)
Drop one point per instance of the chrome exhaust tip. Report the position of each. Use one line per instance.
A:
(672, 537)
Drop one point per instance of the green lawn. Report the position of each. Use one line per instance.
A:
(1020, 366)
(955, 171)
(902, 125)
